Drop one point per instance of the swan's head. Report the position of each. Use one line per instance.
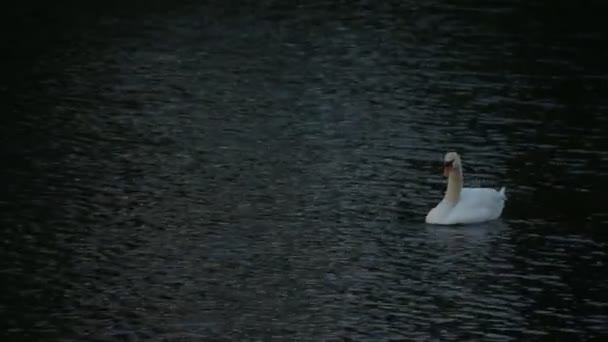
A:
(451, 162)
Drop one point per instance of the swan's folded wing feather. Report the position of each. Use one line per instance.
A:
(477, 205)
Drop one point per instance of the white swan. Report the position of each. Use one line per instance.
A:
(465, 205)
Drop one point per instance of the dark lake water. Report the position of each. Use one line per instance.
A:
(261, 171)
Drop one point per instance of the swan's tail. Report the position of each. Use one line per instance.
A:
(502, 192)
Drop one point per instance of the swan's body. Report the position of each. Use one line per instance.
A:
(465, 205)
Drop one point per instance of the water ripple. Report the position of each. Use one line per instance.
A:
(231, 172)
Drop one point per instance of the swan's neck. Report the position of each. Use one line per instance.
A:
(454, 186)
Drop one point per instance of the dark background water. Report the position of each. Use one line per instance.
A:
(261, 170)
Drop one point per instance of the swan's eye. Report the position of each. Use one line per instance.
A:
(448, 163)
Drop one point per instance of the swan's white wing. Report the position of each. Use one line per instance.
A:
(477, 205)
(480, 196)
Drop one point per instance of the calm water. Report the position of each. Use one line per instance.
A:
(262, 172)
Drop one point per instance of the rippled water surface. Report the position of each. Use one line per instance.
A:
(262, 172)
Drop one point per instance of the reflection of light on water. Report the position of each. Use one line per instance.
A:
(280, 185)
(463, 266)
(469, 235)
